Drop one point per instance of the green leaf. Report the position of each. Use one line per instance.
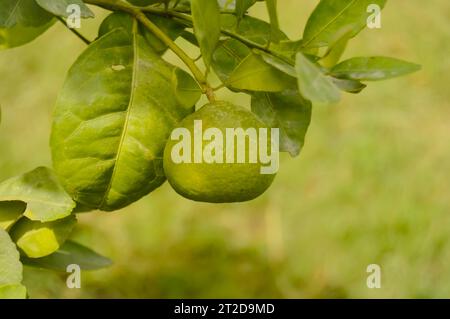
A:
(19, 35)
(70, 253)
(59, 7)
(313, 84)
(108, 137)
(273, 16)
(123, 20)
(253, 29)
(349, 86)
(242, 6)
(10, 265)
(114, 21)
(373, 68)
(46, 199)
(334, 52)
(10, 212)
(14, 291)
(289, 112)
(230, 53)
(278, 63)
(286, 48)
(190, 37)
(144, 3)
(206, 18)
(36, 239)
(254, 74)
(331, 17)
(23, 12)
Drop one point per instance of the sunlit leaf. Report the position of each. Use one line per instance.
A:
(45, 198)
(108, 138)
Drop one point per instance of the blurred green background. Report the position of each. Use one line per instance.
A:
(371, 185)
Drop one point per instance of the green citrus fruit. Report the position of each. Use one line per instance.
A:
(215, 177)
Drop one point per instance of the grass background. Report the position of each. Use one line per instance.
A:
(371, 185)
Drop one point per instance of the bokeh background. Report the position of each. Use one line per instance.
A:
(371, 185)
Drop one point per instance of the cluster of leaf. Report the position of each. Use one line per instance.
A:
(121, 100)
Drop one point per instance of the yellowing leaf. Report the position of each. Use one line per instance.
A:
(38, 239)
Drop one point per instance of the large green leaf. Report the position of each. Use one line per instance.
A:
(24, 12)
(13, 291)
(373, 68)
(289, 112)
(116, 110)
(46, 199)
(70, 253)
(10, 212)
(331, 17)
(254, 74)
(36, 239)
(313, 84)
(59, 7)
(19, 35)
(123, 20)
(10, 265)
(206, 18)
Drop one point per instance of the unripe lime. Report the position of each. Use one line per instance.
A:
(223, 179)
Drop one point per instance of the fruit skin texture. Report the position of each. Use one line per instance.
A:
(218, 182)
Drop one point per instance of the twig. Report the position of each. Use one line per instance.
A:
(74, 31)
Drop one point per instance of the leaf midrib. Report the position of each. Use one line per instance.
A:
(329, 23)
(13, 12)
(127, 119)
